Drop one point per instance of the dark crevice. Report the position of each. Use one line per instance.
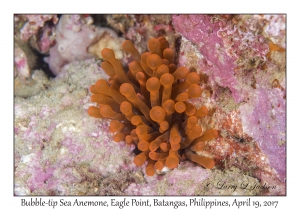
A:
(42, 65)
(100, 20)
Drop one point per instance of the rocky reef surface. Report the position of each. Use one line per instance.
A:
(61, 150)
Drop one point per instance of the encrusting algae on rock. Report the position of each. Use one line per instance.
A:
(148, 107)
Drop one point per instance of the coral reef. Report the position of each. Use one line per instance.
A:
(239, 61)
(69, 30)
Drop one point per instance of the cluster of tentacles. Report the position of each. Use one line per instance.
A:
(148, 107)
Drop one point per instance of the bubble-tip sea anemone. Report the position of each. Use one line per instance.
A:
(148, 107)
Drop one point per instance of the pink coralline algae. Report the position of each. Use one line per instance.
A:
(216, 63)
(37, 31)
(180, 181)
(235, 53)
(226, 47)
(33, 24)
(264, 119)
(45, 41)
(21, 63)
